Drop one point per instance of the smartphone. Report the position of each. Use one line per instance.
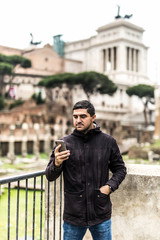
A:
(63, 146)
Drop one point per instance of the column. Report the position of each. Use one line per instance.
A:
(36, 141)
(11, 154)
(137, 60)
(24, 139)
(130, 59)
(58, 131)
(108, 59)
(104, 60)
(112, 58)
(47, 139)
(134, 66)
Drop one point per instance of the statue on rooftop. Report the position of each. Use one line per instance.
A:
(118, 15)
(34, 43)
(128, 16)
(125, 16)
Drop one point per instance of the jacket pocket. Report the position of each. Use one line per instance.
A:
(102, 203)
(74, 203)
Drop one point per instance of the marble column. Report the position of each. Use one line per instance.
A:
(11, 152)
(24, 139)
(36, 141)
(47, 139)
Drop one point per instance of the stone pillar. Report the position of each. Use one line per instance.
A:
(130, 59)
(134, 57)
(58, 131)
(36, 141)
(11, 154)
(112, 59)
(24, 139)
(108, 60)
(47, 139)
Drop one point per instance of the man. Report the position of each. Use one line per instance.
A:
(85, 164)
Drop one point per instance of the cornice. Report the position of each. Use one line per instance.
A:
(120, 23)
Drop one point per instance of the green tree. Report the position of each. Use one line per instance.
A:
(2, 103)
(57, 80)
(8, 64)
(16, 103)
(91, 82)
(145, 93)
(5, 69)
(14, 60)
(38, 98)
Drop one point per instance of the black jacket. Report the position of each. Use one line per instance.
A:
(86, 170)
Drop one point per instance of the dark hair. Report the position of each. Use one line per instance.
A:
(84, 104)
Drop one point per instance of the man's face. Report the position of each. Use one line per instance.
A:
(82, 120)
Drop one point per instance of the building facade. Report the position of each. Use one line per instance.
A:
(119, 52)
(45, 62)
(29, 127)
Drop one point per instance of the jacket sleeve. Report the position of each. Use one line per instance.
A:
(117, 167)
(53, 172)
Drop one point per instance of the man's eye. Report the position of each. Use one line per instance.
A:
(83, 116)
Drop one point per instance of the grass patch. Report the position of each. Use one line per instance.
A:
(44, 156)
(30, 156)
(157, 143)
(13, 211)
(13, 166)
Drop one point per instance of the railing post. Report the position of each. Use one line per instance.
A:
(53, 202)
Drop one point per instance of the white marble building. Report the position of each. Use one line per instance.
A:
(119, 52)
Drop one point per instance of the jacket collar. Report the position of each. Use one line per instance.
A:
(95, 130)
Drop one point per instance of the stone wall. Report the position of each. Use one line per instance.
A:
(136, 205)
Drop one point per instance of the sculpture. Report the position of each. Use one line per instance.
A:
(34, 43)
(125, 16)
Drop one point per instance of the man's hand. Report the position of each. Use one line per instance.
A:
(60, 156)
(105, 189)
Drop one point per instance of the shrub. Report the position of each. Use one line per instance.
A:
(16, 103)
(2, 103)
(38, 98)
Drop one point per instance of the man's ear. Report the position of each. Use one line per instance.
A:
(93, 118)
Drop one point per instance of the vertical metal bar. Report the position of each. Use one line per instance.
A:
(60, 219)
(54, 217)
(17, 220)
(48, 211)
(9, 191)
(26, 205)
(34, 197)
(41, 207)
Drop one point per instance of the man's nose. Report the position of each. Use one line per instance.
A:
(79, 119)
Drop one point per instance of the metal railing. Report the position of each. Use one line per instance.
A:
(28, 206)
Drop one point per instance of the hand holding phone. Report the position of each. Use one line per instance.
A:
(63, 146)
(61, 154)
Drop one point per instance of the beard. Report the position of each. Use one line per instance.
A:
(81, 128)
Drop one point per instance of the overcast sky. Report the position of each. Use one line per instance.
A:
(75, 20)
